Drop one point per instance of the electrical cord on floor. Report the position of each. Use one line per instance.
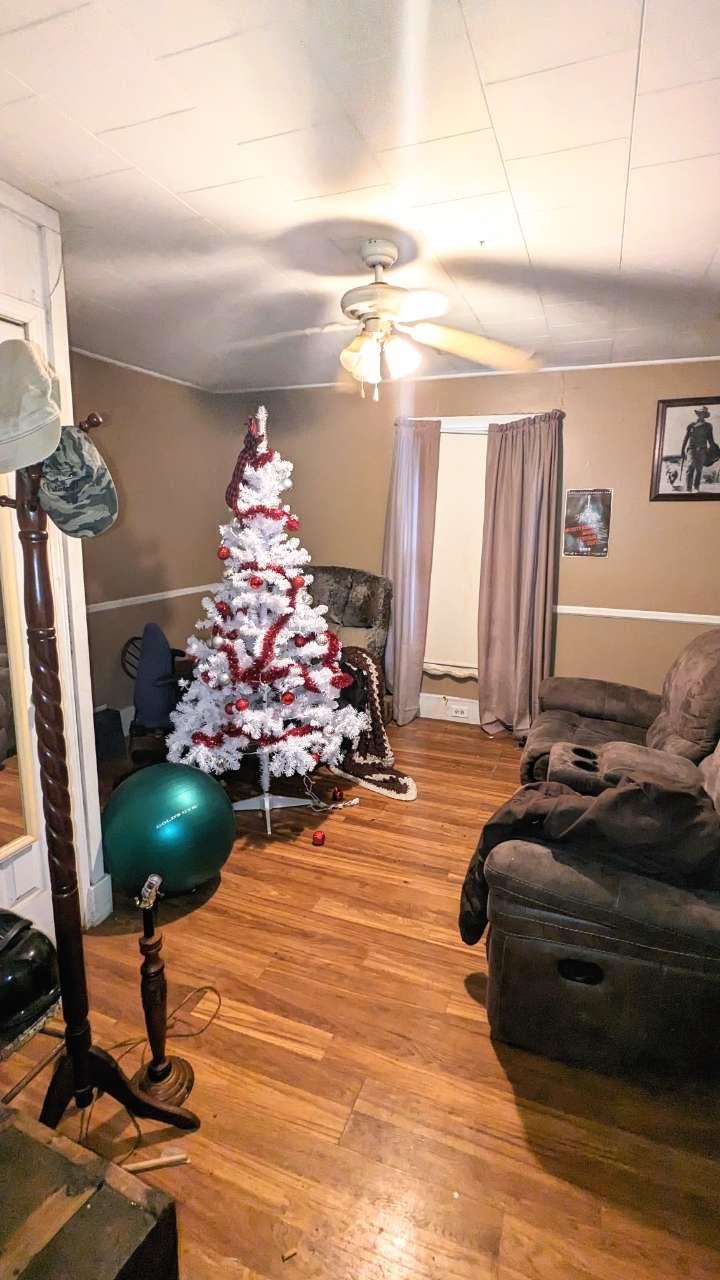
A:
(127, 1046)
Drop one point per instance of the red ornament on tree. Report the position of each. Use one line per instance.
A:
(297, 582)
(242, 704)
(222, 606)
(198, 738)
(255, 581)
(229, 708)
(223, 553)
(287, 698)
(300, 641)
(292, 523)
(318, 837)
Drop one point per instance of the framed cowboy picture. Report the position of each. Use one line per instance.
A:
(686, 464)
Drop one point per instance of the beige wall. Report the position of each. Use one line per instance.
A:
(172, 450)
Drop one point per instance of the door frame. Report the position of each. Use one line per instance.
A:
(47, 326)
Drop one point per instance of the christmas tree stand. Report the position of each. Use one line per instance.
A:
(266, 801)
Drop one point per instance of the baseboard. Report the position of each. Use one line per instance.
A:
(438, 706)
(98, 902)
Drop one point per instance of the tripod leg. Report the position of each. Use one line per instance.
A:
(59, 1094)
(110, 1078)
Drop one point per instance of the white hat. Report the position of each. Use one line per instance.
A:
(29, 405)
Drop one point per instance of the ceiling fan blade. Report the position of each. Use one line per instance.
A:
(645, 290)
(471, 346)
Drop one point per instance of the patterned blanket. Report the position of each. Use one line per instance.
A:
(370, 761)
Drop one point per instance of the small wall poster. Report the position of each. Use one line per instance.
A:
(586, 528)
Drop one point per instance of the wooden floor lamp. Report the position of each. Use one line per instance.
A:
(83, 1068)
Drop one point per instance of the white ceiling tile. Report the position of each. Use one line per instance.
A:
(595, 173)
(676, 124)
(681, 43)
(673, 216)
(126, 196)
(21, 13)
(166, 26)
(567, 107)
(582, 235)
(514, 37)
(468, 164)
(322, 160)
(493, 303)
(86, 64)
(12, 90)
(395, 104)
(598, 351)
(263, 79)
(38, 142)
(183, 151)
(485, 226)
(665, 343)
(585, 316)
(364, 30)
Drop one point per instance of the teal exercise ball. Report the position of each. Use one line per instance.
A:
(170, 819)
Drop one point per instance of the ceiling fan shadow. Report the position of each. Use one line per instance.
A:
(332, 246)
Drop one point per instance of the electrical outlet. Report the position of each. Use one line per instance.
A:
(458, 712)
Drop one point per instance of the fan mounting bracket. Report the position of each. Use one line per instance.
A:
(379, 253)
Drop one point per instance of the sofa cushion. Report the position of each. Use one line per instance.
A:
(689, 720)
(530, 877)
(550, 727)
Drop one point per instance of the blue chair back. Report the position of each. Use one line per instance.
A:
(156, 690)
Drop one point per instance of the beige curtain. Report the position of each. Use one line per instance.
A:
(407, 558)
(519, 567)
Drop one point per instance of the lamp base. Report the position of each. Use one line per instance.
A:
(172, 1087)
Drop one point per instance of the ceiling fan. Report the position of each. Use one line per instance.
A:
(396, 322)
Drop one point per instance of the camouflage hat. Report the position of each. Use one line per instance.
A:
(76, 489)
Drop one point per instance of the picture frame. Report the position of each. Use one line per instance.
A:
(686, 456)
(586, 522)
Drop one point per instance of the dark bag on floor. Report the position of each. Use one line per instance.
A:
(29, 984)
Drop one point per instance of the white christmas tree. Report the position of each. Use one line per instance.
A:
(267, 680)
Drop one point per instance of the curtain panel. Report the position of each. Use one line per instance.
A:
(519, 569)
(407, 558)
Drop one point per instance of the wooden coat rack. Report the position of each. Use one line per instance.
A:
(83, 1068)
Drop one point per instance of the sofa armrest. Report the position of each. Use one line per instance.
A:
(524, 877)
(600, 699)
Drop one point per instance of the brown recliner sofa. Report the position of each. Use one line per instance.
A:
(602, 921)
(684, 720)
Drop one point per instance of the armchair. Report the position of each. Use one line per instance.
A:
(358, 606)
(601, 967)
(683, 721)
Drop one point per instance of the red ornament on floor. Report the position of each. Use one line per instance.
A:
(255, 581)
(223, 553)
(242, 704)
(287, 698)
(318, 837)
(338, 794)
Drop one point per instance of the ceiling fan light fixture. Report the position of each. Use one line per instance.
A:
(401, 355)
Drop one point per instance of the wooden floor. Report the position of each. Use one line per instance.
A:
(357, 1121)
(12, 816)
